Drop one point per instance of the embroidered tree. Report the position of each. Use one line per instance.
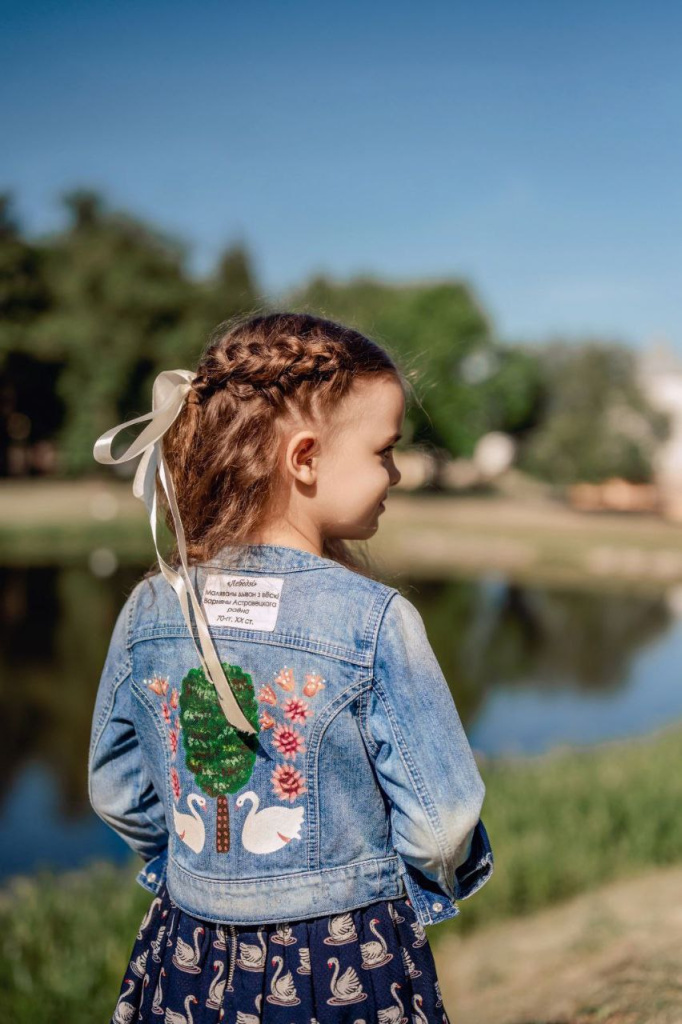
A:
(219, 756)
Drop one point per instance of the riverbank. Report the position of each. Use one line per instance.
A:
(563, 826)
(527, 536)
(609, 956)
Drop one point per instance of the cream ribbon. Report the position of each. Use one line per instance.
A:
(169, 393)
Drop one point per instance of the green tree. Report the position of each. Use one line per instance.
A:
(595, 421)
(467, 383)
(220, 757)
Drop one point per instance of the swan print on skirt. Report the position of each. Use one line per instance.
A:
(368, 965)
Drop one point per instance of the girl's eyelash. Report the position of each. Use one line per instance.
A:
(389, 449)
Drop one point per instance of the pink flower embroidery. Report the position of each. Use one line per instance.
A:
(287, 782)
(285, 678)
(288, 741)
(267, 694)
(296, 710)
(174, 698)
(173, 733)
(175, 782)
(166, 712)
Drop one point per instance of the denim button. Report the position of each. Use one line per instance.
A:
(151, 877)
(437, 906)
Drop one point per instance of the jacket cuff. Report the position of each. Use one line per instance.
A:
(477, 868)
(153, 875)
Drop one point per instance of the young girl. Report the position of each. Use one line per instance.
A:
(295, 777)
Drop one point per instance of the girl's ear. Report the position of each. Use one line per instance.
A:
(301, 456)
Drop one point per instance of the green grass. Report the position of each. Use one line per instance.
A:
(559, 824)
(567, 821)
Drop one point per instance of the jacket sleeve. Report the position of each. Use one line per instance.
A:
(423, 760)
(119, 787)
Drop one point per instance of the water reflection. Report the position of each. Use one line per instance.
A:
(529, 668)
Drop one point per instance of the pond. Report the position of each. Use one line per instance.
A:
(530, 668)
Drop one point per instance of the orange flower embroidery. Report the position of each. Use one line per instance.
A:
(267, 694)
(313, 683)
(285, 678)
(288, 741)
(158, 684)
(287, 782)
(266, 720)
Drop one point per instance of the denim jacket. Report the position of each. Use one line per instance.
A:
(359, 784)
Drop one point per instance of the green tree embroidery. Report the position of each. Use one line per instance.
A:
(219, 756)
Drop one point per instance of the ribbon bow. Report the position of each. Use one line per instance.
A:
(169, 393)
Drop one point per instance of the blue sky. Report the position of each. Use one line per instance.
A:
(533, 149)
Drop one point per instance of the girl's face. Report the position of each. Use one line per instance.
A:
(345, 470)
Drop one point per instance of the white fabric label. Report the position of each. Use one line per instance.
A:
(247, 602)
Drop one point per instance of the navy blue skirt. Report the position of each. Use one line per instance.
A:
(366, 965)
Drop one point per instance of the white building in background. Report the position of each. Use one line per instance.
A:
(659, 371)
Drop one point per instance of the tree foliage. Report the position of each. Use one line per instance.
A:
(467, 383)
(92, 312)
(595, 421)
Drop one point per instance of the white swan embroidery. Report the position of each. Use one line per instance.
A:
(271, 828)
(189, 827)
(347, 988)
(282, 989)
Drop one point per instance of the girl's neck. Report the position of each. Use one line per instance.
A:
(289, 537)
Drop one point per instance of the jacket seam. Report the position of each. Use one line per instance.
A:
(149, 707)
(119, 677)
(341, 701)
(279, 640)
(410, 766)
(374, 861)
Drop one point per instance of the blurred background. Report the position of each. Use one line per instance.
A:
(493, 193)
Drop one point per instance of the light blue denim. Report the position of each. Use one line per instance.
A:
(360, 784)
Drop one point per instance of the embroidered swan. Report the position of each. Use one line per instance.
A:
(271, 828)
(282, 990)
(375, 954)
(393, 1014)
(408, 964)
(341, 930)
(147, 917)
(251, 957)
(139, 964)
(125, 1012)
(217, 987)
(190, 827)
(251, 1018)
(347, 988)
(419, 1017)
(158, 994)
(179, 1018)
(186, 958)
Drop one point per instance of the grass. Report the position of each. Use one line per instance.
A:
(559, 824)
(563, 822)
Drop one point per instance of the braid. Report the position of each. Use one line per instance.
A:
(223, 449)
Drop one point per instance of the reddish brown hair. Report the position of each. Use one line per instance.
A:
(222, 450)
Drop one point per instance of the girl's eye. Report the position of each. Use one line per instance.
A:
(389, 449)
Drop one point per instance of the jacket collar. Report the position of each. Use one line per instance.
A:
(274, 557)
